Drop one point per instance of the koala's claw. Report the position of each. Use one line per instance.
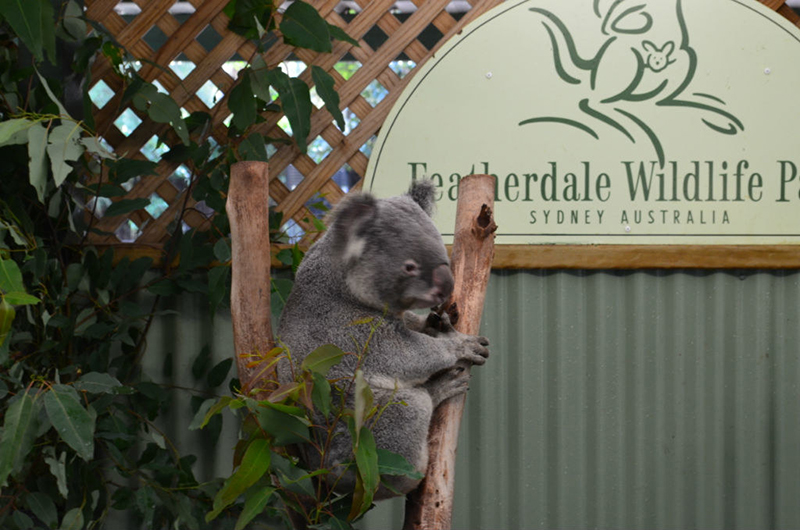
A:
(476, 349)
(450, 383)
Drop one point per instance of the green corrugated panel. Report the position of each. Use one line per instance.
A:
(635, 400)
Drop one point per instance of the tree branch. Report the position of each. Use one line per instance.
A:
(248, 212)
(431, 504)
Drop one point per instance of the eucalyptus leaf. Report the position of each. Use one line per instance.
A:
(63, 146)
(247, 15)
(124, 169)
(42, 507)
(286, 429)
(367, 463)
(124, 206)
(74, 423)
(295, 102)
(302, 26)
(164, 287)
(390, 463)
(58, 468)
(259, 83)
(10, 131)
(222, 250)
(339, 34)
(75, 272)
(255, 501)
(324, 83)
(210, 411)
(14, 231)
(94, 146)
(243, 104)
(19, 430)
(61, 109)
(255, 464)
(219, 373)
(7, 314)
(97, 383)
(217, 286)
(163, 109)
(292, 477)
(363, 403)
(107, 190)
(321, 359)
(321, 394)
(33, 22)
(253, 147)
(21, 520)
(21, 299)
(73, 520)
(200, 416)
(37, 161)
(73, 22)
(10, 277)
(281, 287)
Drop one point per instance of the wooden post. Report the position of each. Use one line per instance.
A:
(248, 212)
(430, 506)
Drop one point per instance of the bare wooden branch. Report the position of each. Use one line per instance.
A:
(248, 212)
(431, 505)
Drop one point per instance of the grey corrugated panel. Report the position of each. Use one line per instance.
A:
(635, 400)
(632, 400)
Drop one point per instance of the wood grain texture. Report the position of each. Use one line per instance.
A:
(773, 4)
(248, 211)
(431, 505)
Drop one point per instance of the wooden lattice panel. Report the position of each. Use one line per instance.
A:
(400, 35)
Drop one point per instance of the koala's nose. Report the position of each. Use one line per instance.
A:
(443, 280)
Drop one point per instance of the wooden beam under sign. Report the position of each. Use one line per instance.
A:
(647, 257)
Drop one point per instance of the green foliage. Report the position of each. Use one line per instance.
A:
(81, 436)
(302, 26)
(305, 414)
(32, 21)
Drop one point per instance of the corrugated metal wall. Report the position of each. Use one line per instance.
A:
(625, 400)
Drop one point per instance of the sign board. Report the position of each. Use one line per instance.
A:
(611, 122)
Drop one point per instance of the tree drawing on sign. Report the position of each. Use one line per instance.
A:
(642, 59)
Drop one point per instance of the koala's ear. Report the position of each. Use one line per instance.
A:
(423, 193)
(354, 212)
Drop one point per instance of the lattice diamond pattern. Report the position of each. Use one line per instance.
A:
(209, 94)
(127, 122)
(199, 64)
(101, 94)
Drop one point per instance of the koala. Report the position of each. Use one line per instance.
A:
(382, 258)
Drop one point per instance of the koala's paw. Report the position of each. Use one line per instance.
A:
(437, 324)
(447, 384)
(474, 349)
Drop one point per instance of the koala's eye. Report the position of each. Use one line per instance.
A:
(411, 268)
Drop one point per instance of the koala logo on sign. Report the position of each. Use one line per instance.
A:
(642, 59)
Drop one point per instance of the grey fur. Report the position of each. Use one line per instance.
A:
(380, 258)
